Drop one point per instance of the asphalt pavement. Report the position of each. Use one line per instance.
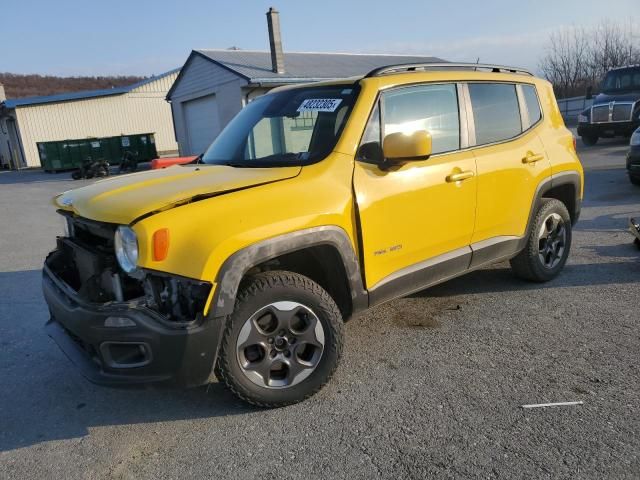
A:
(430, 385)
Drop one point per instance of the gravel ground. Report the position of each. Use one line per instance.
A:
(430, 385)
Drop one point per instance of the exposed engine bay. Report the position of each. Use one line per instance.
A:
(85, 261)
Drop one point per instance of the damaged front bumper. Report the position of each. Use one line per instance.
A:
(124, 341)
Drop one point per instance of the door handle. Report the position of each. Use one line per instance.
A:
(531, 157)
(458, 177)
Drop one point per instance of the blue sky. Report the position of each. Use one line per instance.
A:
(76, 37)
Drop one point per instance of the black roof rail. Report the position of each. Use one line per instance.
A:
(411, 67)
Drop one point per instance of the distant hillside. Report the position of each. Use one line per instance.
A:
(18, 86)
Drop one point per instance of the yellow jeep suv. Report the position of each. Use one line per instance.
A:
(315, 203)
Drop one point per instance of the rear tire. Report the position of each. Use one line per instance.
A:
(283, 341)
(589, 140)
(548, 244)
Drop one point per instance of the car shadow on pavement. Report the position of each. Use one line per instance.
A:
(66, 409)
(44, 398)
(501, 279)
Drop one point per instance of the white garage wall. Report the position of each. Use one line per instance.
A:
(202, 122)
(201, 78)
(142, 110)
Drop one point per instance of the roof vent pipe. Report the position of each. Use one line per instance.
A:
(275, 41)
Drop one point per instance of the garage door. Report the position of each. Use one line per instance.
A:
(202, 123)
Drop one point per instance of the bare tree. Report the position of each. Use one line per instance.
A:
(565, 64)
(577, 57)
(611, 45)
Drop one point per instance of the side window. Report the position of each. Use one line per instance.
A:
(532, 103)
(495, 111)
(433, 108)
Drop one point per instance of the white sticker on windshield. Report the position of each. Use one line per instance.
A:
(320, 104)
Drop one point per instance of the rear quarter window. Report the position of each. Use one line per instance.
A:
(532, 103)
(496, 112)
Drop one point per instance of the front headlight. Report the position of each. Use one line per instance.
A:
(635, 138)
(64, 226)
(126, 245)
(583, 118)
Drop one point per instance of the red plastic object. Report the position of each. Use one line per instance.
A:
(167, 162)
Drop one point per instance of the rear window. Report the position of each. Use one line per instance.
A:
(533, 105)
(495, 111)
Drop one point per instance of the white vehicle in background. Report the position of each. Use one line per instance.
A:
(633, 158)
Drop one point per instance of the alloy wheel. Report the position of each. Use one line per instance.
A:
(552, 240)
(280, 345)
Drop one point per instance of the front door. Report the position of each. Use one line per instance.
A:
(419, 216)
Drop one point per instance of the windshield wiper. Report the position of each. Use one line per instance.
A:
(274, 160)
(280, 156)
(196, 160)
(233, 164)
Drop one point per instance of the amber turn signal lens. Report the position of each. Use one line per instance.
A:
(160, 244)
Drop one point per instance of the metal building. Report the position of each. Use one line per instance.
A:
(214, 85)
(134, 109)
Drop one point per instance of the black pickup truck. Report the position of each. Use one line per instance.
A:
(616, 110)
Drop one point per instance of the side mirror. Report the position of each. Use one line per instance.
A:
(399, 147)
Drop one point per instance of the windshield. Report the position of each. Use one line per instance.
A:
(292, 127)
(622, 80)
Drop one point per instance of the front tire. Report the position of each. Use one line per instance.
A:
(548, 244)
(283, 341)
(589, 140)
(635, 180)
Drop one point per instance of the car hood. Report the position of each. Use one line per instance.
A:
(126, 198)
(616, 97)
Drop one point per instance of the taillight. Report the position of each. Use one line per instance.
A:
(575, 143)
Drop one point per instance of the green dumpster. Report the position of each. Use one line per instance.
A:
(69, 154)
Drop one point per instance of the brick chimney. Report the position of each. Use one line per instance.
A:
(275, 41)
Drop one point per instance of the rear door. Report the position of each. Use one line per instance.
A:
(412, 215)
(511, 160)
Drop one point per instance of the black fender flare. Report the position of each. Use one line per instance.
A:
(237, 265)
(569, 177)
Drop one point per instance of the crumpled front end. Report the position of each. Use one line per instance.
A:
(123, 329)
